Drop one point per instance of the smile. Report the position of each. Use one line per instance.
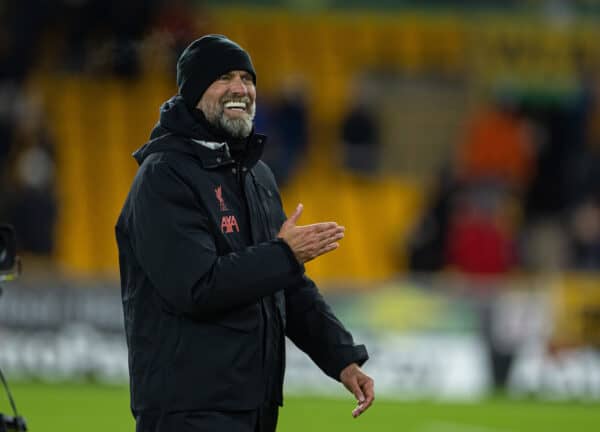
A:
(236, 106)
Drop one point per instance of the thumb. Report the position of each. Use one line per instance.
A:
(296, 215)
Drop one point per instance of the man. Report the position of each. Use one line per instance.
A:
(212, 273)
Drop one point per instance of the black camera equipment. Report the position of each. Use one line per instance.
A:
(10, 268)
(10, 265)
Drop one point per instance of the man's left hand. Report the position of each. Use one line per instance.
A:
(360, 385)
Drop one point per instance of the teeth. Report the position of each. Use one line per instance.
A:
(235, 105)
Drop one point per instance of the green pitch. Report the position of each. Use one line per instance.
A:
(96, 408)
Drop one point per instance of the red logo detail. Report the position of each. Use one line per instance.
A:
(219, 194)
(228, 223)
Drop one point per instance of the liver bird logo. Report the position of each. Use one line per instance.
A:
(219, 195)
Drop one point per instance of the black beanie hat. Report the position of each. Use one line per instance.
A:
(205, 60)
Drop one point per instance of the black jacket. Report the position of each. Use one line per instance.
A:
(208, 290)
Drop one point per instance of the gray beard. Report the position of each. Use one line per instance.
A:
(236, 128)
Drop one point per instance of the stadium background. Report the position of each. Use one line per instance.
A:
(470, 196)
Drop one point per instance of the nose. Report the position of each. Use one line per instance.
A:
(238, 86)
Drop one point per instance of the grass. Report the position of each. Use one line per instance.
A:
(95, 408)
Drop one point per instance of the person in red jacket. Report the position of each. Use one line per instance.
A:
(480, 240)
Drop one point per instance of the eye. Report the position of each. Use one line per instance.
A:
(225, 77)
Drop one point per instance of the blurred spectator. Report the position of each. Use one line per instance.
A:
(9, 94)
(544, 246)
(17, 56)
(583, 175)
(360, 131)
(32, 206)
(286, 121)
(547, 195)
(178, 21)
(499, 147)
(23, 23)
(427, 243)
(585, 236)
(481, 245)
(481, 236)
(558, 229)
(103, 34)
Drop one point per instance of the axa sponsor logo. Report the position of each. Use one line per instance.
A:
(229, 224)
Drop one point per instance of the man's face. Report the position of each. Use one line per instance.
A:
(230, 103)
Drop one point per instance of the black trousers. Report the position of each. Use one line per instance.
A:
(263, 419)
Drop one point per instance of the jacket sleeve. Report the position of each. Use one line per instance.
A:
(311, 324)
(313, 327)
(174, 247)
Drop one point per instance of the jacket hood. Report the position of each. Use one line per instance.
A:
(180, 130)
(177, 119)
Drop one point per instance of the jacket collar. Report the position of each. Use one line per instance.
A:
(214, 154)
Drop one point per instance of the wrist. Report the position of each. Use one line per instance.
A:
(348, 369)
(290, 252)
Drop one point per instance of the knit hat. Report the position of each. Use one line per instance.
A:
(205, 60)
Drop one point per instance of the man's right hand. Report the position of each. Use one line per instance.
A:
(310, 241)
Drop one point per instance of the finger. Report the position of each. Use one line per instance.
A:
(322, 226)
(338, 235)
(333, 229)
(369, 392)
(361, 408)
(328, 232)
(296, 215)
(358, 394)
(323, 250)
(311, 235)
(357, 391)
(327, 248)
(331, 238)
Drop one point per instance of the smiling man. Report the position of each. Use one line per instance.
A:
(212, 272)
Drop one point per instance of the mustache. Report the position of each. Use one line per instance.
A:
(243, 99)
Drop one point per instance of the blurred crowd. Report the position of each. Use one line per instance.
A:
(100, 38)
(93, 37)
(521, 190)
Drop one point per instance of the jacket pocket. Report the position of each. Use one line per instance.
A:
(241, 319)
